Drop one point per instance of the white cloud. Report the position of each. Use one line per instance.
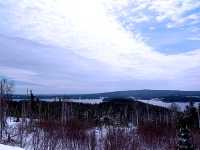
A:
(175, 12)
(196, 38)
(18, 74)
(90, 29)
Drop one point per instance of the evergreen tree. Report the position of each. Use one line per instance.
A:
(184, 140)
(184, 136)
(192, 114)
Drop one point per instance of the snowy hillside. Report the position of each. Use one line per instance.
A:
(87, 101)
(5, 147)
(157, 102)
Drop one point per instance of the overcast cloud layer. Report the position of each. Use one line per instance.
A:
(75, 46)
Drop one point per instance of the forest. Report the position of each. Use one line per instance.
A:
(114, 124)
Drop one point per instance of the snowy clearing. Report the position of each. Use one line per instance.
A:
(6, 147)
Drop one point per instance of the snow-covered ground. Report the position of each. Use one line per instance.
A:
(86, 101)
(157, 102)
(6, 147)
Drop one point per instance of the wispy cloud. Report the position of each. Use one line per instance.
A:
(84, 46)
(177, 13)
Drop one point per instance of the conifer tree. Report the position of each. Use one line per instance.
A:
(184, 139)
(184, 136)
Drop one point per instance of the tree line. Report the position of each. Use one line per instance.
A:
(68, 125)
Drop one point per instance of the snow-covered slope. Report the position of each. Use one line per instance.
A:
(157, 102)
(86, 101)
(5, 147)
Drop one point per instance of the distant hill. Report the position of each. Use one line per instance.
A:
(167, 95)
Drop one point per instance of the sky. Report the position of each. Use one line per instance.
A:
(76, 46)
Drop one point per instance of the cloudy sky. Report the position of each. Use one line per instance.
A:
(76, 46)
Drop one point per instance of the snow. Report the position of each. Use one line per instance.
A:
(155, 101)
(11, 122)
(86, 101)
(6, 147)
(158, 102)
(78, 100)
